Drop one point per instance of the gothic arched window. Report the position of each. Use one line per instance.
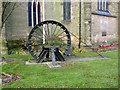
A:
(67, 10)
(34, 12)
(29, 14)
(103, 7)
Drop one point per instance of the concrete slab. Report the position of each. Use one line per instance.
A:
(49, 64)
(0, 81)
(84, 59)
(44, 63)
(56, 66)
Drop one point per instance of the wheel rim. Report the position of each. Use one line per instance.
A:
(54, 35)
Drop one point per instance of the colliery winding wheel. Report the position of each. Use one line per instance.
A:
(49, 41)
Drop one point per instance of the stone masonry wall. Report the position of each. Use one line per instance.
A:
(113, 8)
(87, 22)
(17, 23)
(54, 11)
(104, 24)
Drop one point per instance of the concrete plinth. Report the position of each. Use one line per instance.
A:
(49, 64)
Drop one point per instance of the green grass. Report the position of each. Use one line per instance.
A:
(86, 54)
(28, 56)
(81, 74)
(18, 56)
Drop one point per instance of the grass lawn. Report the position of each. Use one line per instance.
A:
(81, 74)
(17, 56)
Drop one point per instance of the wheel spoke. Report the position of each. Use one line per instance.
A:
(48, 28)
(55, 29)
(60, 34)
(37, 33)
(62, 37)
(41, 31)
(58, 30)
(37, 36)
(51, 30)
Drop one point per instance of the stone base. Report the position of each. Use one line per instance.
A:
(0, 81)
(49, 64)
(56, 66)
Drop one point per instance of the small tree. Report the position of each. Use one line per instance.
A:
(5, 14)
(5, 5)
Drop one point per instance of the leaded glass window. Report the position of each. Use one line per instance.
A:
(34, 13)
(67, 10)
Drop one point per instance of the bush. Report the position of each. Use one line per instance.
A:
(17, 46)
(80, 50)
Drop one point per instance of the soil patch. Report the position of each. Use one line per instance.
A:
(7, 77)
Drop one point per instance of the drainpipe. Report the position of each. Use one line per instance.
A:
(43, 20)
(79, 24)
(36, 11)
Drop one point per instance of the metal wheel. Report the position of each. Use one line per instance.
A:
(48, 34)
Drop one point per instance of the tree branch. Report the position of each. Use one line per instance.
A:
(5, 5)
(4, 20)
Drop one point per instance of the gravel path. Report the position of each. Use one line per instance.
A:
(84, 59)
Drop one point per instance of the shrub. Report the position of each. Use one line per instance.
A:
(17, 46)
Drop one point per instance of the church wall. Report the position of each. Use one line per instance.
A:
(87, 22)
(108, 24)
(54, 11)
(17, 23)
(104, 24)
